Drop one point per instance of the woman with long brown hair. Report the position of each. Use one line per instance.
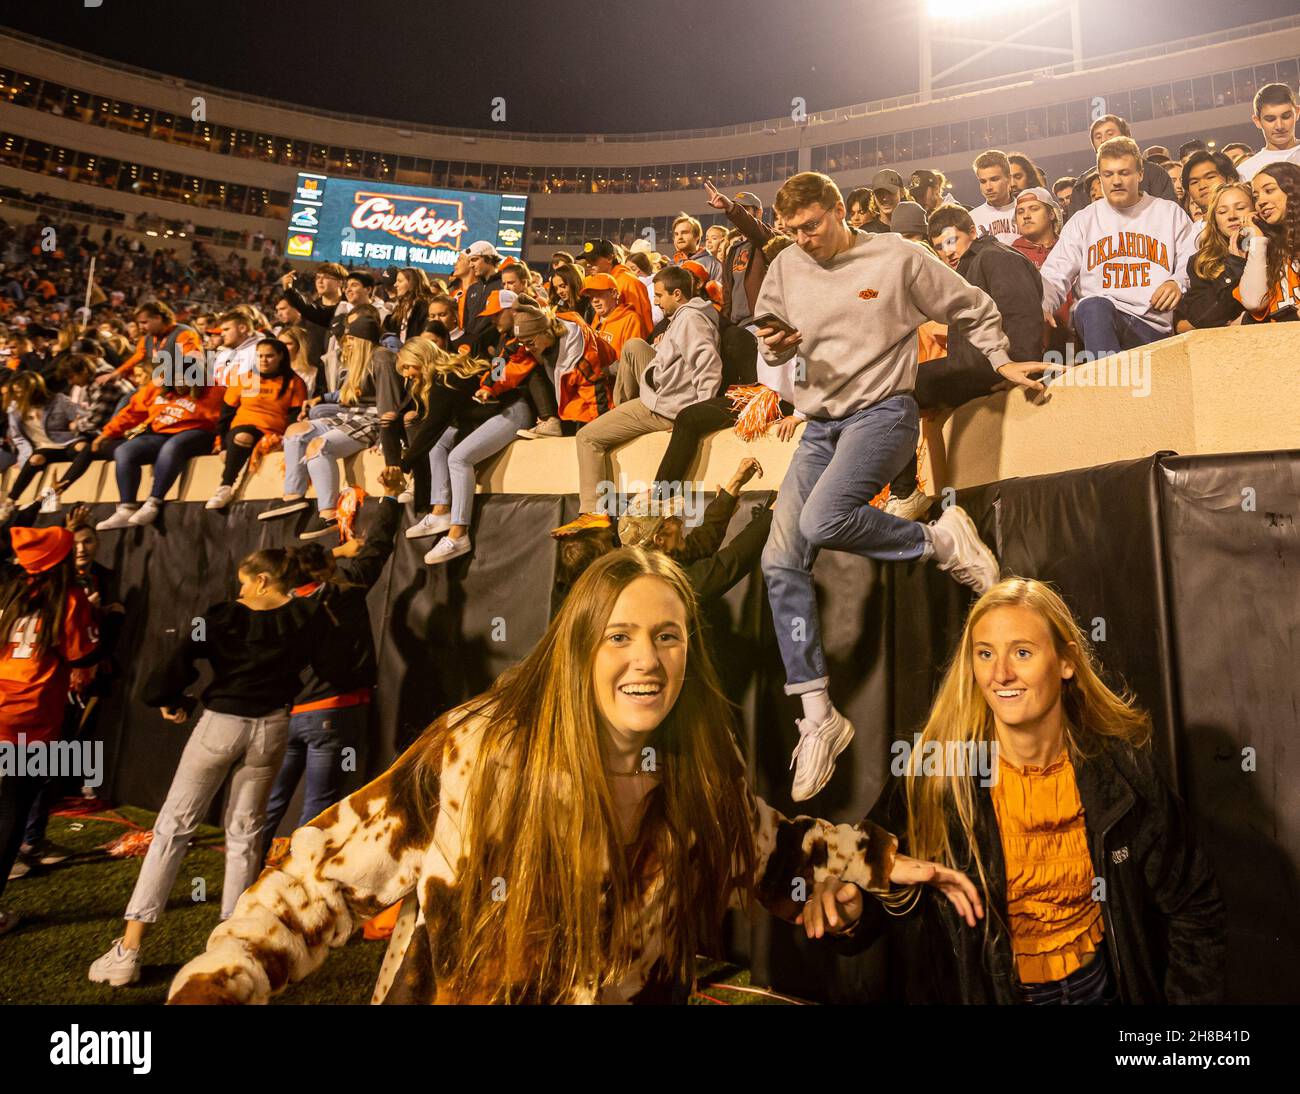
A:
(1215, 270)
(411, 307)
(1037, 779)
(566, 292)
(1270, 283)
(575, 834)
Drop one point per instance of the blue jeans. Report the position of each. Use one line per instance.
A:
(1106, 329)
(317, 739)
(825, 501)
(323, 467)
(451, 465)
(168, 452)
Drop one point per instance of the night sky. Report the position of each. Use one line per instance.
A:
(564, 65)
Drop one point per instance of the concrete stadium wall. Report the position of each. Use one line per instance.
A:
(1209, 391)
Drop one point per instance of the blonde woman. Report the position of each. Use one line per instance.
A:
(339, 424)
(576, 834)
(1037, 779)
(1216, 268)
(299, 346)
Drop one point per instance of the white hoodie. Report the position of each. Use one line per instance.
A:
(1121, 254)
(995, 221)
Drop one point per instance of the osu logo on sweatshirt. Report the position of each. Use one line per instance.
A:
(868, 294)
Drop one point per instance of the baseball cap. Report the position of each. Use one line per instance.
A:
(364, 276)
(640, 246)
(499, 300)
(888, 179)
(598, 283)
(1039, 193)
(365, 327)
(481, 248)
(909, 218)
(696, 270)
(923, 177)
(596, 248)
(746, 198)
(40, 549)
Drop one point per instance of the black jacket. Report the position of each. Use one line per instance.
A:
(1164, 918)
(714, 575)
(345, 656)
(1155, 181)
(476, 297)
(1210, 303)
(256, 657)
(1016, 288)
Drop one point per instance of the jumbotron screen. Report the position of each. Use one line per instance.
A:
(357, 222)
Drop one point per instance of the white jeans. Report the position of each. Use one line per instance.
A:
(253, 747)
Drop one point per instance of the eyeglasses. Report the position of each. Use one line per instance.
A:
(808, 228)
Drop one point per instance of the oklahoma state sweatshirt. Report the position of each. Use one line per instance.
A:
(858, 314)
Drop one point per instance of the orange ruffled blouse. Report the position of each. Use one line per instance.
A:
(1055, 924)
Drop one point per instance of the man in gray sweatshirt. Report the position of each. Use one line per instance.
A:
(849, 304)
(652, 385)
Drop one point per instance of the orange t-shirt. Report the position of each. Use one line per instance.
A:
(34, 688)
(265, 404)
(633, 293)
(1280, 296)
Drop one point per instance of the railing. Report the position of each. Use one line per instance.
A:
(770, 125)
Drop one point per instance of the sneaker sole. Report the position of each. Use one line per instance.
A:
(840, 743)
(276, 514)
(965, 529)
(319, 535)
(411, 533)
(448, 558)
(115, 981)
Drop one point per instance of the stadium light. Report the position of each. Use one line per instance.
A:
(964, 24)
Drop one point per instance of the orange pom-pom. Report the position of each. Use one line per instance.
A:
(350, 502)
(756, 407)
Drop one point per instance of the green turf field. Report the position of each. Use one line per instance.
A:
(72, 912)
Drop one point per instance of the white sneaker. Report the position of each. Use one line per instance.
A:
(147, 513)
(50, 502)
(549, 428)
(912, 507)
(446, 549)
(221, 498)
(815, 753)
(121, 518)
(284, 509)
(972, 563)
(429, 525)
(118, 967)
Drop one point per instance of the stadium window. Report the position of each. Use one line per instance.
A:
(1058, 122)
(997, 131)
(7, 86)
(34, 156)
(1244, 83)
(164, 126)
(1140, 105)
(1202, 93)
(834, 158)
(53, 97)
(191, 189)
(902, 147)
(958, 137)
(1016, 129)
(1265, 75)
(1162, 101)
(108, 171)
(1077, 116)
(78, 105)
(440, 172)
(141, 121)
(1036, 123)
(1183, 101)
(25, 91)
(236, 197)
(103, 111)
(11, 150)
(921, 144)
(885, 149)
(1118, 103)
(1223, 93)
(1288, 72)
(369, 165)
(334, 160)
(819, 159)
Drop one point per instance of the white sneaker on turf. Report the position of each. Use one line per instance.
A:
(118, 967)
(430, 524)
(446, 549)
(972, 563)
(120, 518)
(814, 755)
(221, 498)
(147, 513)
(912, 507)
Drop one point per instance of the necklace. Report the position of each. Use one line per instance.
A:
(626, 774)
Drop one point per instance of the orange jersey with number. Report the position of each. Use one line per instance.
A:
(34, 687)
(1285, 293)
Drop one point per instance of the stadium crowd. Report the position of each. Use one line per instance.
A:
(852, 316)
